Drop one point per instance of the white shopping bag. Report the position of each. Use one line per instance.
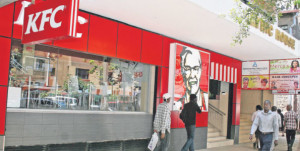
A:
(153, 141)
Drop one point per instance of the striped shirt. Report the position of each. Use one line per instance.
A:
(290, 119)
(162, 119)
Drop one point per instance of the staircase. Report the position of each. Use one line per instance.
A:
(245, 128)
(214, 138)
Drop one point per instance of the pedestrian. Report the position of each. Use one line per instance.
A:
(274, 110)
(190, 110)
(162, 122)
(267, 123)
(257, 132)
(282, 119)
(291, 125)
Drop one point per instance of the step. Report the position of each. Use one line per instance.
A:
(244, 137)
(245, 123)
(244, 141)
(218, 138)
(220, 143)
(245, 120)
(244, 132)
(213, 134)
(212, 130)
(245, 127)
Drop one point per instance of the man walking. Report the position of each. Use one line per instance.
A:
(291, 125)
(162, 123)
(268, 124)
(190, 110)
(257, 132)
(274, 110)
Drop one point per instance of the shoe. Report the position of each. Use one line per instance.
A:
(254, 145)
(289, 147)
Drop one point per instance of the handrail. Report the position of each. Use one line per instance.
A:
(216, 109)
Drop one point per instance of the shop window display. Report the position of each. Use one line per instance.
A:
(43, 77)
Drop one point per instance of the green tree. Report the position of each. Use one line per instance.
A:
(259, 13)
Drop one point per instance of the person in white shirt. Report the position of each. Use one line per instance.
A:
(258, 109)
(162, 122)
(274, 110)
(268, 124)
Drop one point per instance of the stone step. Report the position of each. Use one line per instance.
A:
(243, 132)
(213, 134)
(244, 138)
(219, 143)
(244, 141)
(245, 123)
(245, 127)
(213, 139)
(245, 120)
(210, 130)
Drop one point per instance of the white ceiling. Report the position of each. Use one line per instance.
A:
(188, 22)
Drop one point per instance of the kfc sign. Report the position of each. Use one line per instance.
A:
(50, 20)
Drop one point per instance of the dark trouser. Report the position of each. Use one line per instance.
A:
(290, 137)
(190, 130)
(163, 144)
(265, 141)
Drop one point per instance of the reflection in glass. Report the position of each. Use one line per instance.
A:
(42, 78)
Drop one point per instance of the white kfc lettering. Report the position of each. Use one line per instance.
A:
(20, 19)
(32, 19)
(53, 24)
(45, 18)
(31, 23)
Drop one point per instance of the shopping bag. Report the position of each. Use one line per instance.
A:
(153, 142)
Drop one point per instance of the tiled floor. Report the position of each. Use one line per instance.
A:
(248, 146)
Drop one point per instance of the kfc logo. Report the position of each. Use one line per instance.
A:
(45, 18)
(49, 20)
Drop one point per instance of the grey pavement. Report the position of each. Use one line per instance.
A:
(249, 146)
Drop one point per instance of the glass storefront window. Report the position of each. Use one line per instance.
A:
(43, 77)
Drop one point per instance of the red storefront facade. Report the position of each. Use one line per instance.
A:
(107, 37)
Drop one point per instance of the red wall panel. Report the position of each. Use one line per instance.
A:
(129, 43)
(77, 43)
(175, 119)
(17, 33)
(236, 114)
(3, 98)
(164, 81)
(5, 44)
(158, 81)
(151, 48)
(6, 15)
(103, 36)
(166, 50)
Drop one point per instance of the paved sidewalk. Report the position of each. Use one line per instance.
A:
(249, 146)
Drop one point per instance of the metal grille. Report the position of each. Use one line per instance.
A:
(26, 148)
(136, 145)
(105, 146)
(67, 147)
(128, 145)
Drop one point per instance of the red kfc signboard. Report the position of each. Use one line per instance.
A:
(50, 20)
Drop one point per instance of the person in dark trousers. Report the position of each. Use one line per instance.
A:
(257, 132)
(267, 123)
(190, 108)
(282, 119)
(291, 126)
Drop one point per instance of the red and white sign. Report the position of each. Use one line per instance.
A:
(50, 20)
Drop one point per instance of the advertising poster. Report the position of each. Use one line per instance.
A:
(255, 82)
(284, 81)
(255, 68)
(284, 66)
(191, 76)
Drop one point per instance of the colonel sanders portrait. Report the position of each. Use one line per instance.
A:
(191, 69)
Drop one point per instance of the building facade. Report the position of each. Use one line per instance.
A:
(102, 88)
